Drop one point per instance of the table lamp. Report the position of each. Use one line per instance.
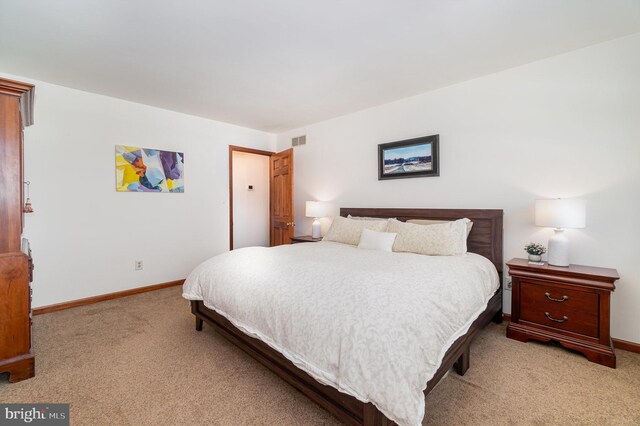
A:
(560, 214)
(316, 210)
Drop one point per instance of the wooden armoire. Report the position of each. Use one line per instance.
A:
(16, 355)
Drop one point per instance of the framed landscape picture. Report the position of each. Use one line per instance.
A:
(409, 158)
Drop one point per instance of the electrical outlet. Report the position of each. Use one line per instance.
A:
(139, 265)
(508, 287)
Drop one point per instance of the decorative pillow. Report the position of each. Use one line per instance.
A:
(442, 239)
(374, 240)
(347, 231)
(433, 222)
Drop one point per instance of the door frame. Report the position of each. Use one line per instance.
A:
(232, 149)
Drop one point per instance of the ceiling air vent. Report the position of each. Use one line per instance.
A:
(299, 140)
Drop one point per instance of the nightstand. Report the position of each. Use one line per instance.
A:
(569, 305)
(305, 239)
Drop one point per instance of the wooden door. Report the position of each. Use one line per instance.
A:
(281, 200)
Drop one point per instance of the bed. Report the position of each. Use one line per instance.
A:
(343, 385)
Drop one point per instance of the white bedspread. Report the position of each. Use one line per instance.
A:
(372, 324)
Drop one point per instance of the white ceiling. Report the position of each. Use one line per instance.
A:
(279, 64)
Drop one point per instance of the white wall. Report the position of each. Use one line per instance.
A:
(250, 207)
(86, 236)
(567, 126)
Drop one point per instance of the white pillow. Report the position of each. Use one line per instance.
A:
(374, 240)
(442, 239)
(347, 231)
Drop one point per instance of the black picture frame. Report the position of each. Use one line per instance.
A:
(414, 168)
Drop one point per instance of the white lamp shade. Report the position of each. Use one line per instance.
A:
(315, 209)
(561, 213)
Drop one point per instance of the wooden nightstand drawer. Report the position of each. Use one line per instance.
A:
(570, 310)
(569, 305)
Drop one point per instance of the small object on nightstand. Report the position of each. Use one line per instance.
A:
(535, 252)
(569, 305)
(305, 239)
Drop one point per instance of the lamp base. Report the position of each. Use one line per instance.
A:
(558, 249)
(316, 229)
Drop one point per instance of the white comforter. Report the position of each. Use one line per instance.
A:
(372, 324)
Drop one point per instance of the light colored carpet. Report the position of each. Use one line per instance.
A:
(139, 361)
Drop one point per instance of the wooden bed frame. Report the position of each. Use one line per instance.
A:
(485, 239)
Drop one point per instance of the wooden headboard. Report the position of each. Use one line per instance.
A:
(485, 238)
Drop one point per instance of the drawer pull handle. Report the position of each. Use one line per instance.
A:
(564, 318)
(556, 300)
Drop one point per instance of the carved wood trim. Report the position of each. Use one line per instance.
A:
(624, 345)
(25, 92)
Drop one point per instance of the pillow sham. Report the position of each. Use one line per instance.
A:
(433, 222)
(374, 240)
(348, 231)
(441, 239)
(366, 218)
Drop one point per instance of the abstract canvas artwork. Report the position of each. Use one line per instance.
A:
(148, 170)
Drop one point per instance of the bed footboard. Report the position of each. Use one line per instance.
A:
(345, 407)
